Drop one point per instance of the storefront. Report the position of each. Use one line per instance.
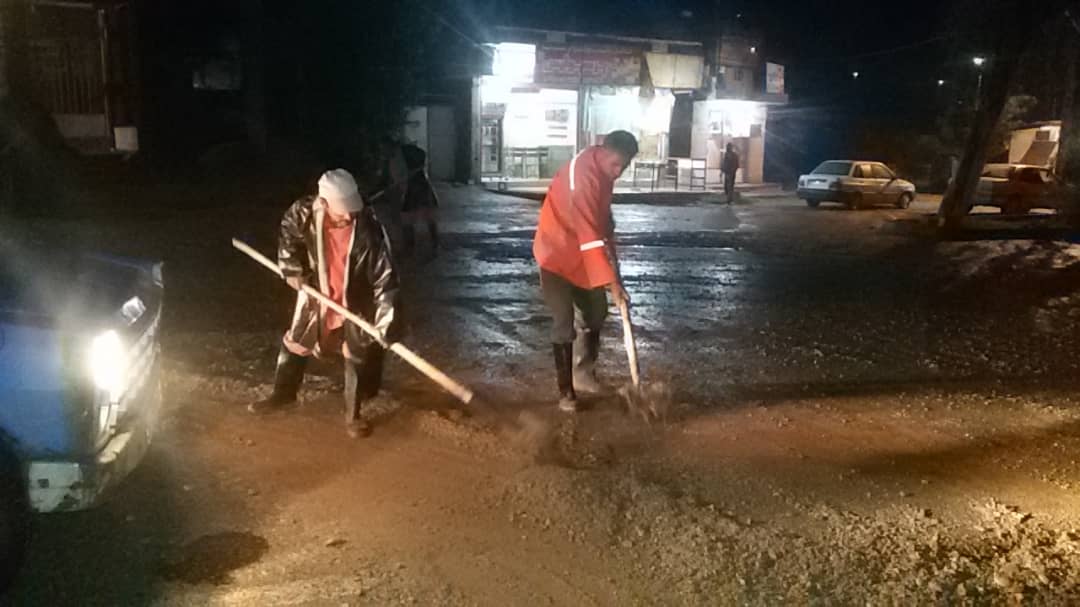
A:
(718, 122)
(544, 102)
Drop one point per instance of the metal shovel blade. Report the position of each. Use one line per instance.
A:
(649, 402)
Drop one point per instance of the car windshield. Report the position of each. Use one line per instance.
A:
(833, 167)
(1001, 171)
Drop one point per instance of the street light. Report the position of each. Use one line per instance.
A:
(940, 82)
(855, 75)
(979, 61)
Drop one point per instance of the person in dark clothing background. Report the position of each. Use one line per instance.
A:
(421, 203)
(730, 167)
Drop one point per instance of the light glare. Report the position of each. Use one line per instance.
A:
(108, 363)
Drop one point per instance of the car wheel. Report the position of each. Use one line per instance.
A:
(904, 201)
(14, 519)
(854, 202)
(813, 204)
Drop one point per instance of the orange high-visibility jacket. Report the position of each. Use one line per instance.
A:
(576, 231)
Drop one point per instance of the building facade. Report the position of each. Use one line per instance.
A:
(75, 59)
(550, 94)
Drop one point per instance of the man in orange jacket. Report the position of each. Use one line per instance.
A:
(575, 248)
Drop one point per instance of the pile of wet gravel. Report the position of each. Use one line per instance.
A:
(689, 551)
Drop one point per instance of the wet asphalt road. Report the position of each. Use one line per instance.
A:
(770, 295)
(765, 300)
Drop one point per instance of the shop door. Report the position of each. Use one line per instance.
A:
(491, 143)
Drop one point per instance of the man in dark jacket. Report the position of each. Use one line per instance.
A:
(730, 166)
(334, 243)
(420, 202)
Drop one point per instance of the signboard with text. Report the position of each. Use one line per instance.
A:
(565, 66)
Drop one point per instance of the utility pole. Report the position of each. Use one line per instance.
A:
(1018, 19)
(5, 89)
(254, 75)
(979, 63)
(1069, 141)
(7, 185)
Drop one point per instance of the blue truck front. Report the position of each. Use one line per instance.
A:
(79, 375)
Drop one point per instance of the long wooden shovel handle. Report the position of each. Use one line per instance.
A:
(459, 391)
(631, 345)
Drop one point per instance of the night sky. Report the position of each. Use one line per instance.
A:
(901, 50)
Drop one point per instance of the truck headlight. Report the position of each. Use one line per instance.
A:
(108, 363)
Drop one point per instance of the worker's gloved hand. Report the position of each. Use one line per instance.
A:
(296, 282)
(619, 296)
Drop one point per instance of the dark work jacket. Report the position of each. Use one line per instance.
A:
(418, 191)
(730, 163)
(371, 282)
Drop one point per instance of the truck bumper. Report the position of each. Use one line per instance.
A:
(58, 486)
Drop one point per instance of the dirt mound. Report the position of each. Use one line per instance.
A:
(678, 546)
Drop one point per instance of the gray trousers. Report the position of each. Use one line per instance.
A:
(572, 306)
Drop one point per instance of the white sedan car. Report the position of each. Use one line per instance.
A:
(855, 184)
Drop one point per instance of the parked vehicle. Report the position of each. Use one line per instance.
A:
(79, 386)
(1018, 188)
(855, 184)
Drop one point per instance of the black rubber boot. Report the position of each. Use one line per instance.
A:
(564, 371)
(362, 383)
(586, 353)
(287, 379)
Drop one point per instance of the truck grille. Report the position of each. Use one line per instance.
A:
(143, 355)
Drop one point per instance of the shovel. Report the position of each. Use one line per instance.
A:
(460, 392)
(650, 403)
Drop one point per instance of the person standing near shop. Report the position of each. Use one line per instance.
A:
(575, 249)
(729, 167)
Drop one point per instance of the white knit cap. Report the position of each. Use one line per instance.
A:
(339, 190)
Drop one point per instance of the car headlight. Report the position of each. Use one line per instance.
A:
(108, 364)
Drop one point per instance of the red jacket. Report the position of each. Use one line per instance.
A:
(575, 235)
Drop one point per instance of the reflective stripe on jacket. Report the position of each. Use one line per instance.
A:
(574, 238)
